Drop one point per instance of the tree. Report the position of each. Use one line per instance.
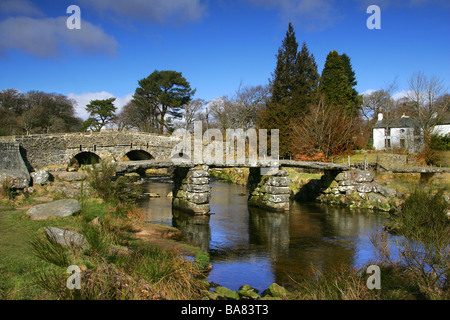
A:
(191, 112)
(334, 83)
(293, 85)
(351, 78)
(426, 103)
(101, 112)
(307, 80)
(36, 112)
(325, 131)
(163, 93)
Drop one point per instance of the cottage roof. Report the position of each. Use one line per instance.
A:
(405, 122)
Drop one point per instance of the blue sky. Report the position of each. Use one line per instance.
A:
(216, 44)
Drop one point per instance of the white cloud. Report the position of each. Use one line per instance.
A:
(85, 98)
(161, 11)
(401, 94)
(21, 7)
(368, 91)
(45, 37)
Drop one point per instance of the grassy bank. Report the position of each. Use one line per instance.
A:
(125, 258)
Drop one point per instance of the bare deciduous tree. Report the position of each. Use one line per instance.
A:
(425, 102)
(191, 112)
(325, 131)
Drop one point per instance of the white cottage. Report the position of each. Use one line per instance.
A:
(402, 133)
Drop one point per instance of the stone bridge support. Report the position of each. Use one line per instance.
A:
(269, 192)
(192, 192)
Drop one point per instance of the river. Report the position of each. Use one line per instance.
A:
(256, 247)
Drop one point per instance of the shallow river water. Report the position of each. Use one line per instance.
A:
(257, 247)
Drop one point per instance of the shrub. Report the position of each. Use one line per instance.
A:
(425, 247)
(441, 143)
(121, 191)
(100, 178)
(5, 188)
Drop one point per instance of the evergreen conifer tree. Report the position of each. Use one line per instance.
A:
(292, 86)
(335, 84)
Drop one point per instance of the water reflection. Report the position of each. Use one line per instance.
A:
(257, 247)
(195, 229)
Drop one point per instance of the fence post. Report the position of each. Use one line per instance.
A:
(365, 161)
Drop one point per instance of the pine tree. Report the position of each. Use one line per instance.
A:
(283, 79)
(292, 86)
(307, 79)
(334, 83)
(350, 73)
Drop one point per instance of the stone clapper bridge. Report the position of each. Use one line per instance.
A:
(268, 184)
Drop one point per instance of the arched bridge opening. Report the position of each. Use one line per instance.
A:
(84, 158)
(138, 155)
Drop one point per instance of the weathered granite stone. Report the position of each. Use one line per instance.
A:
(276, 291)
(366, 187)
(66, 237)
(269, 192)
(387, 192)
(192, 191)
(18, 179)
(40, 177)
(363, 176)
(70, 176)
(278, 181)
(59, 208)
(277, 190)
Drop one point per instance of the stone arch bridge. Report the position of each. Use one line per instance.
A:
(43, 150)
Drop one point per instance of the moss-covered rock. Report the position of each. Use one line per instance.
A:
(247, 292)
(275, 291)
(226, 294)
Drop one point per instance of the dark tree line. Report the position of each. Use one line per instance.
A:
(36, 112)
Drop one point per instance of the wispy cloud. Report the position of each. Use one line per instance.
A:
(160, 11)
(45, 37)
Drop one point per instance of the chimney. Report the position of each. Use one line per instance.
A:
(380, 117)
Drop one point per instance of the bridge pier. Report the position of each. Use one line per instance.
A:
(269, 192)
(192, 192)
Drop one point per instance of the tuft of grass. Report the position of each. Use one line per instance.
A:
(48, 249)
(342, 283)
(172, 276)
